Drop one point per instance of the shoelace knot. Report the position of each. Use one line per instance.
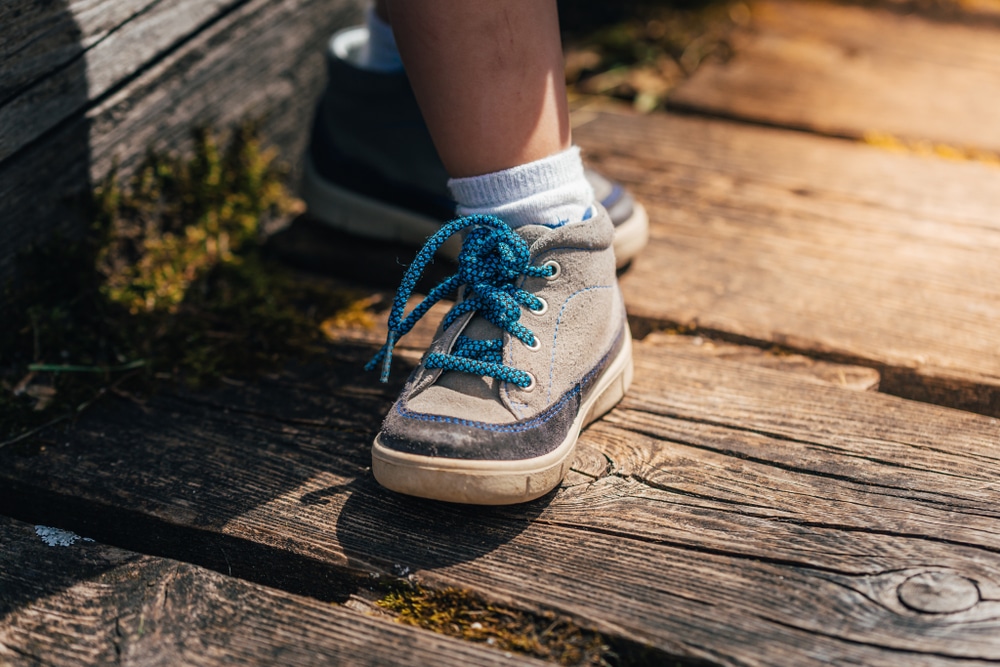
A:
(492, 259)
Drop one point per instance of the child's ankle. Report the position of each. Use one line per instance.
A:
(552, 191)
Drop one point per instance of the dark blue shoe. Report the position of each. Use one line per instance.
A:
(372, 169)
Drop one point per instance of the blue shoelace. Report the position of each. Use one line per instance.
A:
(492, 259)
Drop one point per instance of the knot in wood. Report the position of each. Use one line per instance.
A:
(938, 593)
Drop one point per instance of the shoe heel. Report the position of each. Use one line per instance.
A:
(363, 216)
(611, 396)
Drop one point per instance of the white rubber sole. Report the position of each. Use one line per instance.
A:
(350, 212)
(631, 236)
(363, 216)
(501, 482)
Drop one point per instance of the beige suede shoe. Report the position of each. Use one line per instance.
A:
(536, 348)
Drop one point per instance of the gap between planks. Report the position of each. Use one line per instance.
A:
(832, 249)
(85, 603)
(811, 504)
(859, 72)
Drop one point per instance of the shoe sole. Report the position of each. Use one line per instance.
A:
(501, 482)
(355, 214)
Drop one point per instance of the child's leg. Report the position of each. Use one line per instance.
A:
(538, 344)
(488, 75)
(373, 168)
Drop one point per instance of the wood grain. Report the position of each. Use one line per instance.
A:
(826, 247)
(850, 71)
(40, 38)
(263, 59)
(801, 521)
(135, 36)
(840, 375)
(89, 604)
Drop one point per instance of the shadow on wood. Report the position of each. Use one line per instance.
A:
(97, 84)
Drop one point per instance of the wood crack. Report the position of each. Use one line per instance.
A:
(768, 462)
(696, 548)
(117, 640)
(847, 528)
(873, 491)
(97, 100)
(636, 477)
(877, 645)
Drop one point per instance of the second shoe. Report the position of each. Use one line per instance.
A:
(372, 169)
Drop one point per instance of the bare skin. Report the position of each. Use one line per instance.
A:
(488, 75)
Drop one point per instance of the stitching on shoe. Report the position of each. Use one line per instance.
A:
(518, 427)
(514, 404)
(555, 334)
(507, 353)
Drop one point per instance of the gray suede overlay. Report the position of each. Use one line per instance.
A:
(431, 435)
(460, 415)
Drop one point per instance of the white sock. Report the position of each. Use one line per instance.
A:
(552, 191)
(379, 53)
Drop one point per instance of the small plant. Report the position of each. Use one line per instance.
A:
(644, 56)
(169, 284)
(463, 614)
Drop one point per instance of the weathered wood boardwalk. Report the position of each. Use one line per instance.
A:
(91, 85)
(809, 476)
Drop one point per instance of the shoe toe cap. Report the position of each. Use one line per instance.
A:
(447, 437)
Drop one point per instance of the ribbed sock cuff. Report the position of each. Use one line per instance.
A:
(552, 191)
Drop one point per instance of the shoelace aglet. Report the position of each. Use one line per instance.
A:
(390, 342)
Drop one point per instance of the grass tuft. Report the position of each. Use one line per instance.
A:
(170, 284)
(463, 614)
(642, 55)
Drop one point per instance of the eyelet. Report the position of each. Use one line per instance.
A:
(556, 269)
(531, 385)
(535, 345)
(541, 311)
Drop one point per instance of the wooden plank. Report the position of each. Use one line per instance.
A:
(850, 71)
(858, 378)
(819, 245)
(83, 603)
(742, 515)
(144, 33)
(40, 38)
(263, 60)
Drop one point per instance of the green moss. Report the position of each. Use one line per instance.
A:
(170, 284)
(463, 614)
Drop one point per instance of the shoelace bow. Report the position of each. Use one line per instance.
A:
(492, 258)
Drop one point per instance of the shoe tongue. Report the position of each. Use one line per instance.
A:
(479, 328)
(466, 393)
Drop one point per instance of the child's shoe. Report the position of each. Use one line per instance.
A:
(536, 347)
